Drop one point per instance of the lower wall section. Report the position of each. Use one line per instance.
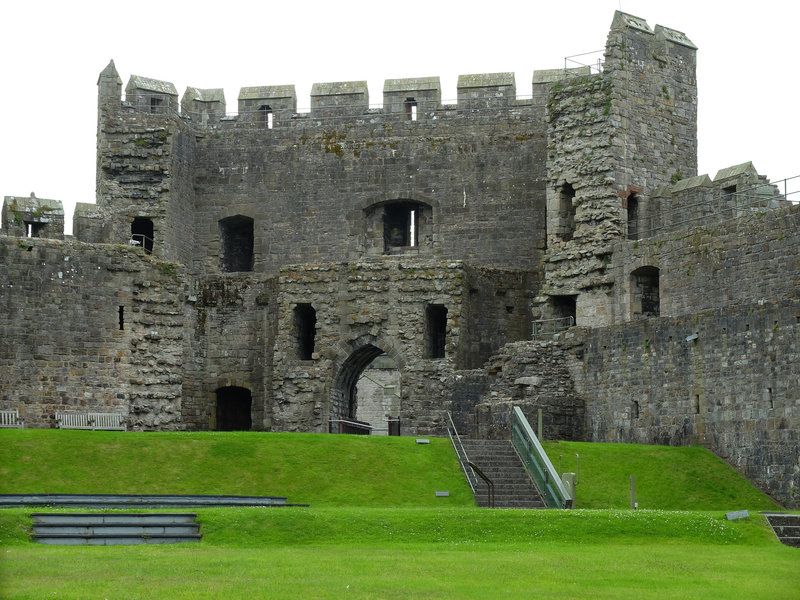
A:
(531, 375)
(726, 379)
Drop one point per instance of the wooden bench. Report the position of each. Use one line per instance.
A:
(92, 420)
(9, 418)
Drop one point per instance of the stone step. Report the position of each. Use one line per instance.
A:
(112, 540)
(91, 519)
(81, 501)
(499, 461)
(107, 529)
(786, 527)
(118, 529)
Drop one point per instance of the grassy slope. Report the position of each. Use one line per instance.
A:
(335, 470)
(322, 470)
(685, 478)
(442, 548)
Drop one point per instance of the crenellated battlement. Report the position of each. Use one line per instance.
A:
(417, 98)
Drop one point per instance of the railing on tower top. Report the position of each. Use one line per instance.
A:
(756, 198)
(553, 492)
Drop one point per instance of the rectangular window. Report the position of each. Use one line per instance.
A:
(305, 327)
(435, 330)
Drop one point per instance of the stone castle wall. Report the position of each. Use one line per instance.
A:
(90, 328)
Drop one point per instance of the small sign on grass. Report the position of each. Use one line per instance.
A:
(737, 514)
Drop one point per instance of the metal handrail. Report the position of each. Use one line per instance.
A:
(536, 461)
(488, 481)
(464, 452)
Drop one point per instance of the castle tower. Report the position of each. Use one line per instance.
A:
(614, 139)
(143, 188)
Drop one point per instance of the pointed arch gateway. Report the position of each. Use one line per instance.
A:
(344, 393)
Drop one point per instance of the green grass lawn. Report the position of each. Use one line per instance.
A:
(683, 478)
(322, 470)
(418, 553)
(376, 530)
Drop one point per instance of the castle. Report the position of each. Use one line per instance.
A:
(557, 253)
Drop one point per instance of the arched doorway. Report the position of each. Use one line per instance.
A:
(378, 394)
(345, 401)
(234, 405)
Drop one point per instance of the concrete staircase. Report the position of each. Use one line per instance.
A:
(108, 529)
(513, 487)
(786, 527)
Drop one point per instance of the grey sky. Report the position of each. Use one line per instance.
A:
(53, 52)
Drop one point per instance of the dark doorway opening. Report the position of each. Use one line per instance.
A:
(142, 233)
(633, 217)
(236, 237)
(305, 328)
(566, 309)
(435, 330)
(234, 406)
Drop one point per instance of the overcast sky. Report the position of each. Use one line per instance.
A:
(53, 52)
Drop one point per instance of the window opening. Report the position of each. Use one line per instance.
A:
(236, 237)
(142, 233)
(155, 105)
(728, 193)
(435, 330)
(566, 212)
(233, 411)
(266, 116)
(305, 327)
(565, 311)
(633, 217)
(697, 404)
(635, 409)
(411, 109)
(121, 318)
(645, 297)
(400, 226)
(33, 230)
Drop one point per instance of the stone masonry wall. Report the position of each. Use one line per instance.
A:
(734, 388)
(749, 260)
(311, 186)
(363, 309)
(231, 321)
(89, 328)
(531, 375)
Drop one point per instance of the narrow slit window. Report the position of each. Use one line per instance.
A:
(305, 327)
(435, 330)
(121, 318)
(566, 212)
(633, 217)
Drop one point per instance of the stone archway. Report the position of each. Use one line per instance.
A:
(344, 400)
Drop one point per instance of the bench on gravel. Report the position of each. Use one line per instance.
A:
(9, 418)
(92, 420)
